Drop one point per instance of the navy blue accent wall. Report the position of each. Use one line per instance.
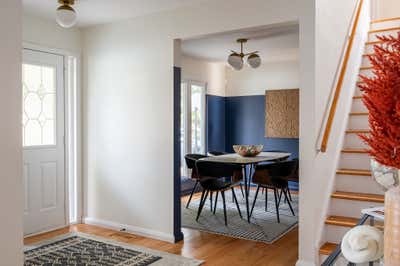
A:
(215, 123)
(241, 120)
(245, 124)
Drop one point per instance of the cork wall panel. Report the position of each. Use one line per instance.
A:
(282, 113)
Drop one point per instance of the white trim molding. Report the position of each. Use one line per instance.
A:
(130, 229)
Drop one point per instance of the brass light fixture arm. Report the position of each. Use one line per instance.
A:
(66, 2)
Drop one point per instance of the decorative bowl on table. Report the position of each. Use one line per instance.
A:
(248, 150)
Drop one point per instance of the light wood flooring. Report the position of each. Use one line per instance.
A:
(214, 249)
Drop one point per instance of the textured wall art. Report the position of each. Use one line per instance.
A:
(282, 113)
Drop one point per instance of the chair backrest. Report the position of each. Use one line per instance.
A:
(192, 158)
(217, 153)
(283, 169)
(217, 170)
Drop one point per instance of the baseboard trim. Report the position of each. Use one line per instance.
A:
(305, 263)
(130, 229)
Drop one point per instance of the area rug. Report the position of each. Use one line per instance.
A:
(263, 227)
(84, 249)
(187, 185)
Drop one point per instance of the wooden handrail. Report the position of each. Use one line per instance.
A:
(339, 84)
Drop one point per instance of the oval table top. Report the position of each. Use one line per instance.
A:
(237, 159)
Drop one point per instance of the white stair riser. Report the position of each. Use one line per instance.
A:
(369, 49)
(366, 73)
(365, 62)
(335, 233)
(358, 184)
(373, 36)
(354, 161)
(357, 92)
(385, 24)
(358, 122)
(353, 141)
(350, 208)
(358, 106)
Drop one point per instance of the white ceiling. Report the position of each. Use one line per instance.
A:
(275, 43)
(91, 12)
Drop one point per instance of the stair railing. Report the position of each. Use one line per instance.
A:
(329, 115)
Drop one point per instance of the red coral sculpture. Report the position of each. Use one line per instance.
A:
(381, 95)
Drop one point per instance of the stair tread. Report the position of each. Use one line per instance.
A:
(353, 172)
(357, 131)
(357, 97)
(384, 20)
(373, 42)
(347, 221)
(348, 150)
(327, 248)
(358, 196)
(384, 29)
(342, 221)
(359, 113)
(366, 68)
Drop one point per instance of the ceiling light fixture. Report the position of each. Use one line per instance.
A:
(235, 59)
(66, 15)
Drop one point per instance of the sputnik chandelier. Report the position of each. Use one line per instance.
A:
(235, 59)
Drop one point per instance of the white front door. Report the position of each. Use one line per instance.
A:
(43, 141)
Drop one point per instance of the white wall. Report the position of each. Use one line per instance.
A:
(10, 134)
(129, 104)
(270, 75)
(49, 35)
(213, 73)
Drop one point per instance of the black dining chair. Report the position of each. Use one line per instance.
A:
(275, 176)
(191, 164)
(219, 153)
(213, 178)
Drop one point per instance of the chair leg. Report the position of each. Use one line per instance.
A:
(211, 200)
(237, 204)
(280, 197)
(215, 203)
(262, 191)
(290, 195)
(288, 201)
(191, 194)
(276, 204)
(241, 189)
(223, 201)
(266, 199)
(202, 202)
(255, 199)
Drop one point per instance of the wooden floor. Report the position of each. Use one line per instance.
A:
(214, 249)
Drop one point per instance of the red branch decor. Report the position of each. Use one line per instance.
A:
(381, 95)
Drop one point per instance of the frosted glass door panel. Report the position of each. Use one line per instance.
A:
(39, 105)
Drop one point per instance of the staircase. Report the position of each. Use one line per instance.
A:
(354, 186)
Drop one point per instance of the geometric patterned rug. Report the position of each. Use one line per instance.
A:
(264, 226)
(83, 249)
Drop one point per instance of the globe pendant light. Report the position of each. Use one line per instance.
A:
(65, 15)
(254, 60)
(235, 59)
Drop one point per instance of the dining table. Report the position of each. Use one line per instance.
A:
(245, 163)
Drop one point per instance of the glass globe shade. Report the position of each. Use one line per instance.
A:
(254, 60)
(66, 16)
(236, 61)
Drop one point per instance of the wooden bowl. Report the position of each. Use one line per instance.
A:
(248, 150)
